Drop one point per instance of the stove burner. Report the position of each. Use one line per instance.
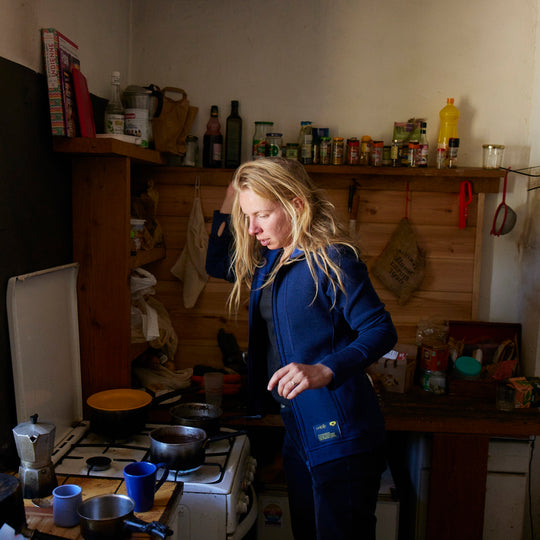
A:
(187, 471)
(98, 463)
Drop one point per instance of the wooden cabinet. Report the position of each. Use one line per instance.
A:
(101, 186)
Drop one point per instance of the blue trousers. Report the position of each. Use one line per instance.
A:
(335, 500)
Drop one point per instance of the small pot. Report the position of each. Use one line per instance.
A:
(200, 415)
(119, 413)
(111, 516)
(182, 448)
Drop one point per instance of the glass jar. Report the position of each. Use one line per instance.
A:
(353, 151)
(191, 159)
(492, 154)
(273, 144)
(325, 151)
(377, 153)
(291, 151)
(338, 154)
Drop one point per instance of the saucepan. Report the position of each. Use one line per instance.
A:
(203, 415)
(118, 413)
(182, 448)
(111, 516)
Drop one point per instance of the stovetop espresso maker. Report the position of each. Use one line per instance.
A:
(35, 444)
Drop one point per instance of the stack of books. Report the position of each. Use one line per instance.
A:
(69, 100)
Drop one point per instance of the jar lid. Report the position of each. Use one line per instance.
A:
(468, 366)
(192, 138)
(274, 134)
(500, 146)
(338, 138)
(326, 138)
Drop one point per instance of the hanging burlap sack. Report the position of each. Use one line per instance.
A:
(401, 265)
(172, 125)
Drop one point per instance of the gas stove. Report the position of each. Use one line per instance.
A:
(93, 455)
(218, 500)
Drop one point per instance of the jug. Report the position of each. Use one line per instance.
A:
(35, 444)
(141, 104)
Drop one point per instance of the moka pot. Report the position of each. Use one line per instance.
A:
(35, 444)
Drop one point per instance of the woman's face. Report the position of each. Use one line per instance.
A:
(267, 220)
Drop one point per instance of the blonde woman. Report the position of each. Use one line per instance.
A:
(315, 324)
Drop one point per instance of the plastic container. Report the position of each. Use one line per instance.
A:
(492, 156)
(467, 367)
(449, 116)
(137, 226)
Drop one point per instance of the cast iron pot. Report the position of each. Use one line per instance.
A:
(182, 447)
(119, 413)
(111, 516)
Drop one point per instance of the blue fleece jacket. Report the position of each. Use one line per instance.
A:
(344, 331)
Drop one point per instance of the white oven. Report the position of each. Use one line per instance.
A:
(218, 500)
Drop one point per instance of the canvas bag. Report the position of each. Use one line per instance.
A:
(401, 265)
(172, 125)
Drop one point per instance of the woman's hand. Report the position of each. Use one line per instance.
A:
(293, 379)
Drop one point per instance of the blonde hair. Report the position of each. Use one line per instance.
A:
(314, 226)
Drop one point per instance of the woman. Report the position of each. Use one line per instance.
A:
(315, 324)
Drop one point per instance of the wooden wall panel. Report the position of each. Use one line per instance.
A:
(448, 290)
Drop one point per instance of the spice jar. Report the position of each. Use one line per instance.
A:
(365, 148)
(493, 154)
(337, 151)
(377, 148)
(353, 151)
(325, 151)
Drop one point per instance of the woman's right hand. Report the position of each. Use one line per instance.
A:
(227, 204)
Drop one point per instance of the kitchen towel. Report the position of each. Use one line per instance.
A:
(190, 266)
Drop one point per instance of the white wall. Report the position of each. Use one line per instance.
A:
(101, 29)
(351, 65)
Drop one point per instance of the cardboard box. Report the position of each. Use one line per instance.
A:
(395, 371)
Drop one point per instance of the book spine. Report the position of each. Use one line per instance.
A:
(69, 60)
(54, 86)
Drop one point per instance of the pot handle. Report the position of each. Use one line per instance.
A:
(155, 528)
(164, 476)
(230, 435)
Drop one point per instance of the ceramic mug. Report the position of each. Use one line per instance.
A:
(66, 499)
(140, 478)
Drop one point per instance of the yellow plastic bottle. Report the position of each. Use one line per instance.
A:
(449, 116)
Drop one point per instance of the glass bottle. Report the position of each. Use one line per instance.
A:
(259, 139)
(233, 138)
(212, 141)
(305, 143)
(424, 147)
(114, 111)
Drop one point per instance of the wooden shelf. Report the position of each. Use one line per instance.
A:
(106, 147)
(146, 257)
(372, 178)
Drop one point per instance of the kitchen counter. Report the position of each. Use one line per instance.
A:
(461, 427)
(165, 502)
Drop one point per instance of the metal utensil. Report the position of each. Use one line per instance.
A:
(505, 218)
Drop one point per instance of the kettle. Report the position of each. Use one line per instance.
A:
(35, 444)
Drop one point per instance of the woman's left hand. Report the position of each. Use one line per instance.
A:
(294, 378)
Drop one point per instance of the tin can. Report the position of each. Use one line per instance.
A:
(434, 357)
(338, 151)
(273, 144)
(291, 151)
(325, 151)
(377, 153)
(434, 381)
(353, 151)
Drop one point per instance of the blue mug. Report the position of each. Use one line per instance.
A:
(140, 478)
(66, 499)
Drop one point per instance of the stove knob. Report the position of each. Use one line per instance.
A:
(242, 505)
